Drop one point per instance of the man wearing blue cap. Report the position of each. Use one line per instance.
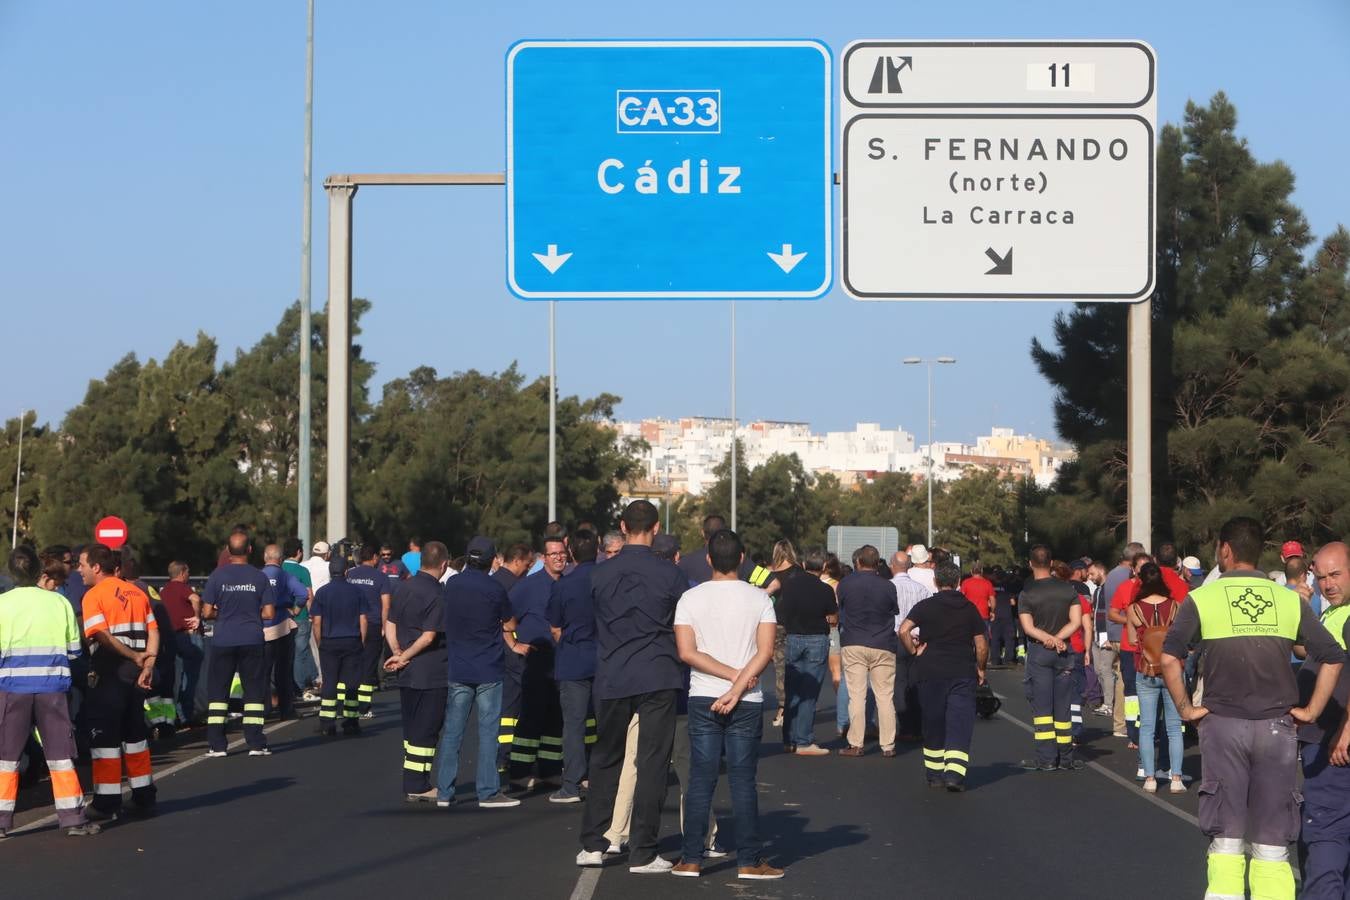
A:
(478, 629)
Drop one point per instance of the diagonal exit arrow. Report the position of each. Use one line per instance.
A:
(1002, 264)
(553, 260)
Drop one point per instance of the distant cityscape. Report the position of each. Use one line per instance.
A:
(682, 453)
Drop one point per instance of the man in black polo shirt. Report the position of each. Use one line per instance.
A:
(1050, 613)
(951, 654)
(868, 606)
(806, 609)
(415, 634)
(637, 672)
(571, 617)
(340, 626)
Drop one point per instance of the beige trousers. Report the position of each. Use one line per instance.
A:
(623, 798)
(864, 665)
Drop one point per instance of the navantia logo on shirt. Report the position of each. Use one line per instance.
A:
(235, 588)
(1252, 607)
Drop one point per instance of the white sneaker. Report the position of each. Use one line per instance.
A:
(614, 850)
(778, 720)
(658, 866)
(1139, 774)
(715, 852)
(1177, 787)
(215, 754)
(368, 714)
(590, 858)
(263, 752)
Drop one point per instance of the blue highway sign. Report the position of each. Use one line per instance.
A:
(669, 169)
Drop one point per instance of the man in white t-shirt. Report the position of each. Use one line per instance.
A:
(921, 569)
(317, 565)
(724, 630)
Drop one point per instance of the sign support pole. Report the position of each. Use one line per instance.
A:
(18, 476)
(733, 415)
(339, 353)
(1139, 438)
(552, 411)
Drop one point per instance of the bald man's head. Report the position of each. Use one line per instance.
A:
(272, 555)
(900, 562)
(1331, 565)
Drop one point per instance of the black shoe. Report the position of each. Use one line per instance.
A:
(328, 730)
(350, 728)
(1073, 765)
(1032, 765)
(936, 784)
(94, 814)
(956, 787)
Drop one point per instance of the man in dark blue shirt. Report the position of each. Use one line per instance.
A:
(279, 648)
(478, 630)
(638, 672)
(538, 735)
(868, 605)
(416, 635)
(515, 562)
(340, 626)
(375, 589)
(394, 569)
(571, 618)
(238, 598)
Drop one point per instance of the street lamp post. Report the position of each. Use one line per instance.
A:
(914, 361)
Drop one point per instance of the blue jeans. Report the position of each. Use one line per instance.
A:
(488, 699)
(188, 648)
(1149, 690)
(738, 733)
(804, 659)
(306, 672)
(841, 705)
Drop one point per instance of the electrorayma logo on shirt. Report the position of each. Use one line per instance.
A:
(1252, 609)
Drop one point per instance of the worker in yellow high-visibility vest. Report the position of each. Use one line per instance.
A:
(1246, 627)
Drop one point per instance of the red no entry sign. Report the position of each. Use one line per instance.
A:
(111, 532)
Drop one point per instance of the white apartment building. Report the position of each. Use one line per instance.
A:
(683, 452)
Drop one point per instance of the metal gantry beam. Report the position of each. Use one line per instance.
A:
(341, 193)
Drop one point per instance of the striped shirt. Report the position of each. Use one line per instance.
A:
(121, 609)
(38, 638)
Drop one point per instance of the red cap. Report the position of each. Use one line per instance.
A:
(1290, 548)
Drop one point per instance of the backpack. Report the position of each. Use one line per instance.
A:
(1150, 636)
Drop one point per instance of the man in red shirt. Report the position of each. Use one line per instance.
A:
(979, 590)
(184, 606)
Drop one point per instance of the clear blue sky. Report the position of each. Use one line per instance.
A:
(152, 154)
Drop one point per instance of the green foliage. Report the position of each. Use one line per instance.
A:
(466, 455)
(1251, 382)
(975, 516)
(183, 450)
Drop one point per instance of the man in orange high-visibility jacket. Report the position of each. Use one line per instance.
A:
(124, 643)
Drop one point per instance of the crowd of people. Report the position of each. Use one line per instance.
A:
(604, 660)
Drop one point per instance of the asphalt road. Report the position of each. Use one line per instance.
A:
(325, 817)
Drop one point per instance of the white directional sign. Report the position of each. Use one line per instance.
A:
(1000, 170)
